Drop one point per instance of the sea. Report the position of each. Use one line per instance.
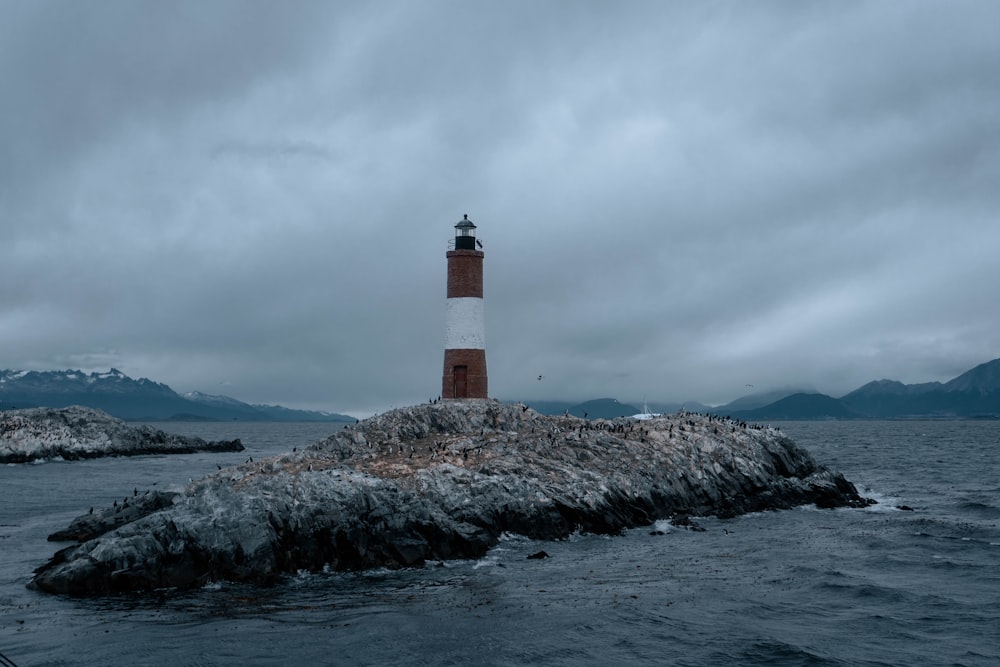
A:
(912, 580)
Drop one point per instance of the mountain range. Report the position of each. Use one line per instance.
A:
(974, 394)
(137, 400)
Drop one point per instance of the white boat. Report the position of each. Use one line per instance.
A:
(646, 414)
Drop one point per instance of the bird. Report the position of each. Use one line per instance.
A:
(540, 377)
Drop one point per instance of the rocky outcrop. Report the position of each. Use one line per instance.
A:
(444, 481)
(94, 524)
(82, 433)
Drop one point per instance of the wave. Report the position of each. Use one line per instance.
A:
(774, 652)
(980, 510)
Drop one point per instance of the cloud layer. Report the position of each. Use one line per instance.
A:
(676, 200)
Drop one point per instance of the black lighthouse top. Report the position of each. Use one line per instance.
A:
(465, 234)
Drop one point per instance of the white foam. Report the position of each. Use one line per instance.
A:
(883, 503)
(486, 561)
(663, 526)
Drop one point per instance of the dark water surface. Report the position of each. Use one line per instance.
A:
(879, 586)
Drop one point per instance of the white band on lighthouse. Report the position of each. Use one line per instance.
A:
(464, 328)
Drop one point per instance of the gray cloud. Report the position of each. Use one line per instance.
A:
(676, 200)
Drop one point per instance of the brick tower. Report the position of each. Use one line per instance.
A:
(465, 335)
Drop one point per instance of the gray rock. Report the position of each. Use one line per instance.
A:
(444, 481)
(94, 524)
(82, 433)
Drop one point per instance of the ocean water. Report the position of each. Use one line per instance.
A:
(875, 586)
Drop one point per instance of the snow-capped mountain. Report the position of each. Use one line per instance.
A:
(142, 399)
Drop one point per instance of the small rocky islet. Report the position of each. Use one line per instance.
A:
(434, 482)
(76, 432)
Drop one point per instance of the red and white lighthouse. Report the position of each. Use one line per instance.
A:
(465, 334)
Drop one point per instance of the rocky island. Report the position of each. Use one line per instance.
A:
(439, 481)
(82, 433)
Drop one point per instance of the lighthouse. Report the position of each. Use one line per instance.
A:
(465, 335)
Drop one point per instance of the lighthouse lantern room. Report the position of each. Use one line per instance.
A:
(465, 338)
(465, 235)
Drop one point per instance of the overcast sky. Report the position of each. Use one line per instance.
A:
(676, 199)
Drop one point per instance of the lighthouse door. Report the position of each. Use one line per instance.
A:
(461, 382)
